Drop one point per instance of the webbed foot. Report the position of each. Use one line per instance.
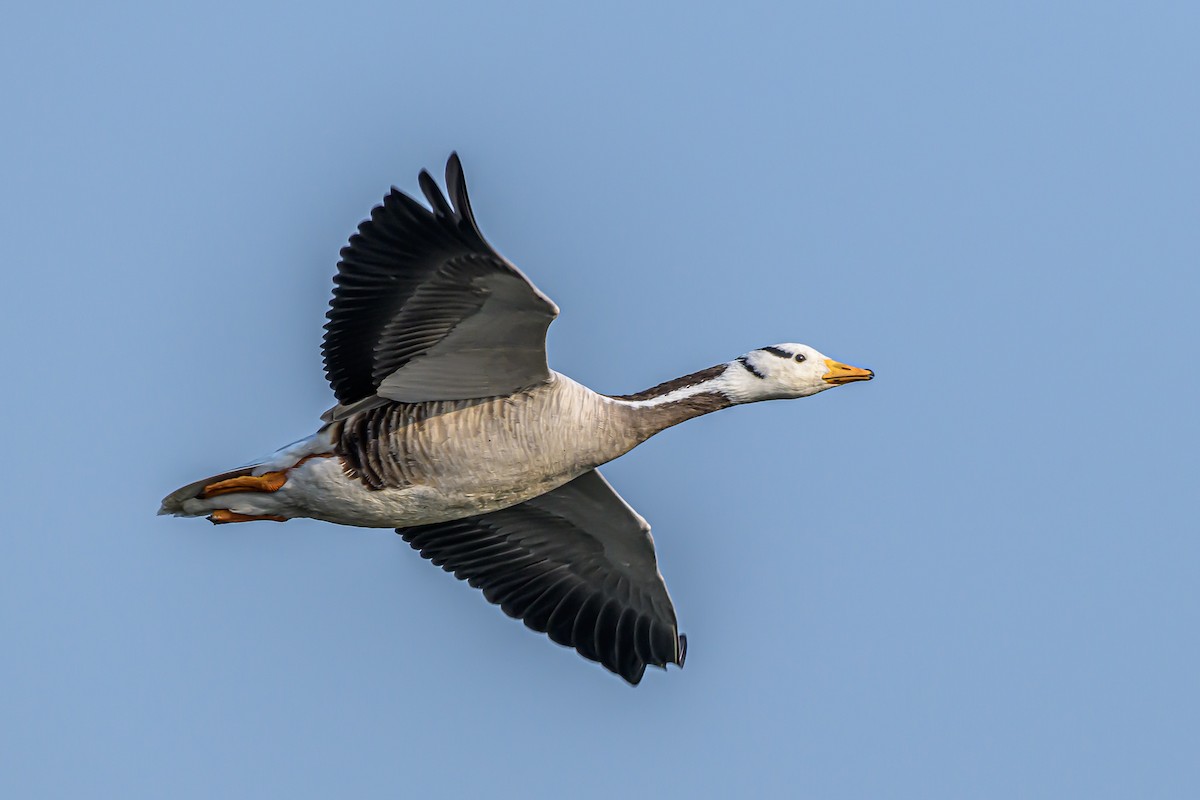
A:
(223, 516)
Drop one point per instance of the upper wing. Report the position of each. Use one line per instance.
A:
(576, 563)
(424, 309)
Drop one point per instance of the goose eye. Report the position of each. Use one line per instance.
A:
(799, 358)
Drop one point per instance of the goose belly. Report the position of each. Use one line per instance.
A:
(321, 489)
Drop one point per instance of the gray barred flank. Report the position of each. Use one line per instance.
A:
(372, 443)
(356, 443)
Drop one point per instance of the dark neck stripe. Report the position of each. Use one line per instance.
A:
(745, 362)
(679, 383)
(649, 420)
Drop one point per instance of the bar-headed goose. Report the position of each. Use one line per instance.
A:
(451, 428)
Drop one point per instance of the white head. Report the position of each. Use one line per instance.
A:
(783, 371)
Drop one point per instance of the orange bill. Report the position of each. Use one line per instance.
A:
(844, 373)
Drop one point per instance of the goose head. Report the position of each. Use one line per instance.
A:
(786, 370)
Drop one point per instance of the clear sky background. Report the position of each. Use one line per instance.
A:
(975, 577)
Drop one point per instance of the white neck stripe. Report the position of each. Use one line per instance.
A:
(718, 385)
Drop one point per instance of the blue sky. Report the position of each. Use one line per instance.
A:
(972, 577)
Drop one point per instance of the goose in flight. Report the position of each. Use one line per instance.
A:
(451, 428)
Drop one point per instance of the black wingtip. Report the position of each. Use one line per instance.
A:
(456, 187)
(437, 201)
(682, 650)
(634, 675)
(456, 180)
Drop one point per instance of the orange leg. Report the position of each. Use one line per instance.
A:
(223, 516)
(270, 482)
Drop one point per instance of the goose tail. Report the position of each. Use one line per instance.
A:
(173, 504)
